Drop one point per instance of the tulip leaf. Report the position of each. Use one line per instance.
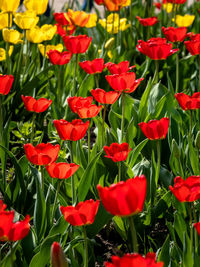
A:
(164, 253)
(135, 152)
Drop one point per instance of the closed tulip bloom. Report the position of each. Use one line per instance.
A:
(26, 20)
(6, 82)
(12, 36)
(197, 226)
(113, 23)
(188, 102)
(119, 68)
(133, 260)
(59, 58)
(94, 66)
(45, 49)
(186, 190)
(40, 105)
(39, 6)
(175, 34)
(3, 52)
(193, 45)
(147, 21)
(124, 82)
(99, 2)
(82, 214)
(177, 2)
(61, 18)
(42, 154)
(124, 198)
(92, 22)
(78, 102)
(57, 256)
(88, 111)
(104, 97)
(48, 31)
(77, 44)
(9, 6)
(35, 35)
(78, 18)
(155, 129)
(156, 48)
(61, 170)
(117, 152)
(72, 131)
(184, 21)
(4, 20)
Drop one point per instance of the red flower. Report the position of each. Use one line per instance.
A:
(124, 198)
(157, 5)
(119, 68)
(61, 170)
(57, 256)
(134, 260)
(193, 46)
(175, 34)
(42, 154)
(59, 58)
(186, 190)
(40, 105)
(78, 102)
(197, 226)
(104, 97)
(155, 129)
(82, 214)
(117, 152)
(176, 1)
(156, 48)
(72, 131)
(124, 82)
(61, 19)
(94, 66)
(148, 21)
(188, 102)
(99, 2)
(5, 84)
(11, 231)
(88, 111)
(63, 30)
(77, 44)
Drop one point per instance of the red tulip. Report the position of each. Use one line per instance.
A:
(104, 97)
(99, 2)
(63, 30)
(82, 214)
(59, 58)
(61, 19)
(61, 170)
(78, 102)
(94, 66)
(5, 84)
(186, 190)
(72, 131)
(57, 256)
(88, 111)
(148, 21)
(42, 154)
(178, 2)
(197, 226)
(124, 82)
(188, 102)
(77, 44)
(11, 231)
(117, 152)
(119, 68)
(193, 46)
(157, 5)
(175, 34)
(134, 260)
(124, 198)
(40, 105)
(156, 48)
(155, 129)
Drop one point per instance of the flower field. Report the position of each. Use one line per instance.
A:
(100, 134)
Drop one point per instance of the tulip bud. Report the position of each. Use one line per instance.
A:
(109, 43)
(57, 256)
(197, 140)
(175, 149)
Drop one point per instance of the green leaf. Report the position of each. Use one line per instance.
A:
(164, 254)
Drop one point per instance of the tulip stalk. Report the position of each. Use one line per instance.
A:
(177, 72)
(123, 116)
(72, 178)
(133, 234)
(199, 71)
(8, 58)
(86, 247)
(55, 200)
(33, 126)
(74, 78)
(156, 73)
(195, 232)
(42, 178)
(158, 161)
(89, 141)
(11, 254)
(191, 226)
(120, 171)
(103, 123)
(96, 77)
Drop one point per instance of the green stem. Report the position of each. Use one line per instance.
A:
(89, 142)
(42, 178)
(199, 71)
(8, 58)
(191, 226)
(158, 161)
(86, 247)
(156, 74)
(195, 232)
(119, 171)
(72, 178)
(96, 77)
(11, 254)
(44, 57)
(133, 234)
(190, 133)
(177, 72)
(103, 123)
(33, 126)
(123, 116)
(1, 119)
(55, 200)
(59, 88)
(74, 78)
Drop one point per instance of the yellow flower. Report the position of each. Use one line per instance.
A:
(92, 21)
(114, 24)
(12, 36)
(35, 35)
(9, 5)
(110, 54)
(3, 53)
(109, 43)
(44, 49)
(49, 31)
(26, 20)
(184, 21)
(128, 2)
(4, 20)
(39, 6)
(78, 18)
(168, 7)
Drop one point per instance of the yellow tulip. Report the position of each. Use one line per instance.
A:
(92, 21)
(184, 21)
(3, 53)
(114, 24)
(128, 2)
(12, 36)
(49, 31)
(109, 43)
(45, 48)
(168, 7)
(9, 5)
(39, 6)
(35, 35)
(4, 20)
(26, 20)
(110, 54)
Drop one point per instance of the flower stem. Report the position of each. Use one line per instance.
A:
(8, 58)
(199, 71)
(72, 178)
(103, 123)
(86, 247)
(191, 226)
(133, 234)
(42, 178)
(195, 232)
(158, 161)
(33, 126)
(96, 77)
(89, 142)
(123, 116)
(11, 254)
(59, 94)
(120, 171)
(177, 72)
(74, 78)
(55, 200)
(155, 77)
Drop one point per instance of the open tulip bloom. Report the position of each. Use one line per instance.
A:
(119, 68)
(187, 102)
